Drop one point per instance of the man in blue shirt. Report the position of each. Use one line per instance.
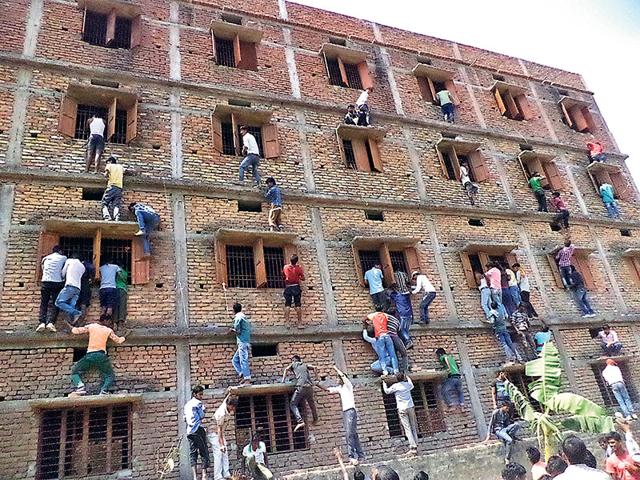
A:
(242, 329)
(608, 198)
(373, 279)
(404, 309)
(541, 338)
(274, 197)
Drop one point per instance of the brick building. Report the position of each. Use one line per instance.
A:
(175, 78)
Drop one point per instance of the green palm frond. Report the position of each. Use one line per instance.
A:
(589, 424)
(547, 369)
(574, 404)
(524, 407)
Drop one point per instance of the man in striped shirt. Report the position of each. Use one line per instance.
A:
(564, 262)
(386, 328)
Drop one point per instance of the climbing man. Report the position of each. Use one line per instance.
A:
(373, 279)
(535, 182)
(68, 297)
(351, 117)
(274, 197)
(218, 440)
(423, 284)
(108, 289)
(52, 284)
(563, 257)
(303, 390)
(504, 427)
(251, 154)
(378, 366)
(470, 188)
(255, 453)
(498, 320)
(96, 356)
(608, 198)
(120, 313)
(406, 409)
(148, 221)
(112, 197)
(293, 275)
(380, 322)
(95, 144)
(452, 387)
(194, 411)
(579, 292)
(242, 329)
(446, 104)
(609, 341)
(613, 376)
(561, 219)
(401, 297)
(596, 150)
(362, 104)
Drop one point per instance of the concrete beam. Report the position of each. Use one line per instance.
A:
(18, 116)
(183, 391)
(323, 266)
(32, 30)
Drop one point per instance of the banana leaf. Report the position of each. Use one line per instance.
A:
(589, 424)
(547, 369)
(574, 404)
(521, 402)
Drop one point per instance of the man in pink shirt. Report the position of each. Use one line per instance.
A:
(494, 278)
(619, 464)
(562, 217)
(596, 151)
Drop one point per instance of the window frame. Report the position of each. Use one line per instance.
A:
(345, 55)
(427, 76)
(245, 43)
(384, 246)
(544, 164)
(576, 115)
(113, 10)
(600, 173)
(631, 257)
(582, 263)
(478, 163)
(365, 142)
(484, 252)
(512, 101)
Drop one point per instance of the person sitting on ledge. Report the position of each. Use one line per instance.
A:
(562, 212)
(596, 150)
(351, 117)
(609, 341)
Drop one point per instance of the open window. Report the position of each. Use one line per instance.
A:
(95, 240)
(580, 260)
(225, 130)
(632, 259)
(359, 147)
(111, 23)
(532, 162)
(512, 101)
(252, 259)
(117, 107)
(431, 80)
(346, 67)
(601, 172)
(576, 115)
(235, 45)
(392, 253)
(453, 153)
(475, 256)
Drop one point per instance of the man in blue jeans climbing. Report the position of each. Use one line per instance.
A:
(452, 386)
(252, 156)
(68, 297)
(148, 221)
(498, 320)
(401, 297)
(423, 284)
(242, 329)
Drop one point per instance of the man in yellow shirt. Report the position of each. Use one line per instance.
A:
(112, 198)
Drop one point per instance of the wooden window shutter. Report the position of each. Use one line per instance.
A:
(67, 118)
(468, 270)
(132, 121)
(343, 72)
(249, 56)
(213, 46)
(387, 266)
(413, 261)
(567, 117)
(591, 126)
(221, 261)
(84, 22)
(634, 266)
(620, 186)
(326, 64)
(455, 161)
(500, 102)
(432, 90)
(289, 250)
(578, 118)
(512, 108)
(523, 105)
(535, 165)
(341, 147)
(111, 119)
(365, 75)
(479, 166)
(484, 260)
(375, 155)
(237, 51)
(258, 261)
(555, 271)
(136, 31)
(425, 91)
(97, 251)
(216, 133)
(451, 87)
(236, 134)
(554, 179)
(582, 263)
(358, 266)
(270, 141)
(442, 165)
(360, 152)
(510, 258)
(139, 262)
(111, 27)
(46, 242)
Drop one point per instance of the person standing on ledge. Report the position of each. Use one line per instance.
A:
(446, 104)
(148, 221)
(303, 390)
(406, 409)
(373, 279)
(423, 284)
(218, 440)
(52, 284)
(608, 198)
(362, 104)
(452, 387)
(242, 329)
(95, 144)
(274, 197)
(351, 117)
(596, 150)
(535, 182)
(293, 275)
(112, 198)
(251, 154)
(196, 433)
(108, 289)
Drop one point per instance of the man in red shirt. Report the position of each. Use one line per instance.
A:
(620, 464)
(596, 151)
(562, 217)
(293, 275)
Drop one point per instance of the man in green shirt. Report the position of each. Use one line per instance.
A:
(122, 288)
(535, 182)
(452, 387)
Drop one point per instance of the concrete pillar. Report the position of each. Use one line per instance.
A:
(6, 209)
(414, 157)
(504, 178)
(469, 376)
(613, 281)
(559, 340)
(576, 190)
(174, 42)
(183, 392)
(543, 113)
(442, 271)
(384, 56)
(18, 117)
(467, 81)
(176, 134)
(33, 28)
(290, 58)
(305, 152)
(533, 270)
(323, 266)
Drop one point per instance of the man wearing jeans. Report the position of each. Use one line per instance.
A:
(561, 219)
(580, 293)
(401, 297)
(564, 262)
(303, 390)
(613, 377)
(373, 279)
(503, 426)
(218, 440)
(52, 283)
(380, 322)
(252, 156)
(68, 297)
(242, 329)
(423, 284)
(498, 321)
(608, 198)
(293, 275)
(535, 182)
(452, 386)
(494, 279)
(609, 341)
(406, 409)
(368, 335)
(148, 221)
(95, 145)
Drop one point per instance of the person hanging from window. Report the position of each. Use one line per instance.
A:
(561, 219)
(362, 105)
(401, 297)
(596, 150)
(579, 292)
(525, 289)
(468, 186)
(423, 285)
(303, 390)
(608, 198)
(542, 337)
(507, 299)
(514, 291)
(96, 357)
(148, 221)
(406, 409)
(520, 322)
(609, 341)
(446, 104)
(351, 117)
(293, 275)
(485, 293)
(273, 195)
(494, 279)
(242, 330)
(95, 144)
(369, 336)
(120, 313)
(194, 414)
(498, 321)
(218, 440)
(373, 279)
(388, 345)
(112, 198)
(255, 454)
(452, 391)
(564, 257)
(84, 301)
(108, 289)
(535, 182)
(613, 376)
(503, 426)
(52, 284)
(251, 154)
(68, 297)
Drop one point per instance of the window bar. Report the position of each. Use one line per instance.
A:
(289, 422)
(84, 448)
(84, 113)
(109, 438)
(398, 261)
(257, 133)
(123, 33)
(120, 135)
(62, 439)
(353, 76)
(274, 263)
(224, 52)
(335, 78)
(349, 155)
(271, 421)
(368, 258)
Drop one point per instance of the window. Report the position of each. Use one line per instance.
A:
(119, 251)
(475, 257)
(522, 381)
(632, 259)
(607, 394)
(543, 164)
(235, 45)
(512, 101)
(375, 215)
(269, 415)
(476, 222)
(576, 115)
(94, 194)
(580, 260)
(85, 112)
(428, 412)
(453, 153)
(346, 67)
(393, 256)
(264, 350)
(431, 80)
(107, 27)
(613, 175)
(359, 147)
(625, 232)
(240, 267)
(249, 206)
(274, 263)
(83, 442)
(398, 261)
(368, 259)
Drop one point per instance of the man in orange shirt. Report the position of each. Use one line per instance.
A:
(380, 322)
(293, 275)
(96, 357)
(596, 150)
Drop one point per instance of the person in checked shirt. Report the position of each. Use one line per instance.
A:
(274, 197)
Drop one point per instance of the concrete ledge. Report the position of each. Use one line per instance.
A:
(84, 401)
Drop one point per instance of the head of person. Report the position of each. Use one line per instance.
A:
(271, 182)
(502, 375)
(370, 331)
(112, 159)
(533, 454)
(384, 472)
(106, 260)
(606, 329)
(535, 174)
(294, 259)
(197, 392)
(296, 358)
(415, 274)
(514, 471)
(494, 305)
(377, 265)
(556, 465)
(132, 206)
(56, 249)
(464, 164)
(255, 441)
(567, 243)
(244, 129)
(603, 441)
(237, 307)
(573, 450)
(232, 403)
(358, 475)
(590, 460)
(401, 377)
(440, 352)
(556, 194)
(515, 267)
(379, 307)
(489, 265)
(614, 440)
(421, 475)
(545, 327)
(505, 406)
(351, 108)
(369, 89)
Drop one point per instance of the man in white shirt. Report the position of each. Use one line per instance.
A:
(67, 298)
(609, 341)
(423, 284)
(468, 186)
(109, 296)
(194, 412)
(218, 441)
(349, 415)
(255, 455)
(252, 155)
(573, 451)
(362, 105)
(95, 145)
(613, 376)
(406, 409)
(52, 283)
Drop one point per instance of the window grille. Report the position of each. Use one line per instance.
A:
(368, 258)
(605, 390)
(120, 135)
(448, 165)
(241, 270)
(335, 78)
(85, 112)
(119, 251)
(349, 155)
(224, 52)
(81, 246)
(274, 263)
(428, 413)
(95, 28)
(353, 76)
(123, 33)
(398, 262)
(257, 133)
(78, 443)
(228, 148)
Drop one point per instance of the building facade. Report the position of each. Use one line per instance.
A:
(174, 80)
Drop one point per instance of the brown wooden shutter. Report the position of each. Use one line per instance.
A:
(620, 186)
(84, 22)
(500, 102)
(326, 64)
(358, 265)
(221, 261)
(432, 90)
(343, 72)
(387, 266)
(567, 117)
(552, 173)
(375, 155)
(111, 119)
(510, 258)
(442, 164)
(213, 46)
(360, 152)
(512, 108)
(97, 251)
(111, 27)
(132, 121)
(136, 31)
(139, 262)
(455, 161)
(591, 125)
(365, 75)
(578, 118)
(634, 266)
(535, 165)
(237, 145)
(237, 50)
(424, 89)
(468, 270)
(258, 261)
(555, 271)
(341, 147)
(67, 118)
(523, 105)
(270, 141)
(412, 258)
(583, 265)
(249, 56)
(216, 133)
(451, 87)
(46, 242)
(289, 250)
(484, 260)
(479, 166)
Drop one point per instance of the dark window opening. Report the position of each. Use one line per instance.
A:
(464, 159)
(78, 353)
(398, 261)
(338, 41)
(499, 259)
(372, 166)
(95, 29)
(238, 103)
(228, 147)
(353, 75)
(476, 222)
(608, 397)
(83, 247)
(437, 85)
(563, 92)
(625, 232)
(257, 133)
(349, 154)
(84, 442)
(229, 18)
(105, 83)
(249, 206)
(368, 258)
(429, 416)
(118, 252)
(274, 263)
(425, 60)
(476, 263)
(376, 215)
(122, 37)
(447, 157)
(224, 52)
(335, 77)
(92, 193)
(554, 227)
(593, 332)
(120, 135)
(500, 78)
(268, 350)
(241, 271)
(270, 416)
(522, 381)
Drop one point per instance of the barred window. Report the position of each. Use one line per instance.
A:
(605, 390)
(335, 78)
(241, 270)
(368, 258)
(353, 76)
(428, 412)
(228, 147)
(123, 33)
(350, 156)
(270, 416)
(85, 112)
(83, 247)
(119, 251)
(224, 52)
(120, 135)
(274, 263)
(522, 381)
(95, 28)
(83, 442)
(398, 261)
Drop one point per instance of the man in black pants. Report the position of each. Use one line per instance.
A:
(303, 391)
(196, 433)
(52, 283)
